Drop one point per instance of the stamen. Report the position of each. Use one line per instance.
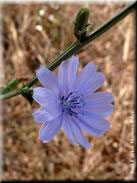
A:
(72, 103)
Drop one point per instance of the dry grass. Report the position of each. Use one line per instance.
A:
(30, 39)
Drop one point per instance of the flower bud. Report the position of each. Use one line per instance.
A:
(81, 23)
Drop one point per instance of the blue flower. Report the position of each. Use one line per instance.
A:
(71, 101)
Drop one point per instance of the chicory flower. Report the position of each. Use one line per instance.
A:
(72, 102)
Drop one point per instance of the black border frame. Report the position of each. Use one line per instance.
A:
(135, 148)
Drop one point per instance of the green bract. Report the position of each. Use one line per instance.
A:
(81, 23)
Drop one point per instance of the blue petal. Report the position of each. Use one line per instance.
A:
(89, 129)
(67, 128)
(49, 129)
(85, 74)
(47, 78)
(103, 110)
(93, 123)
(43, 115)
(87, 71)
(89, 80)
(95, 82)
(45, 96)
(78, 135)
(68, 74)
(99, 97)
(39, 115)
(99, 103)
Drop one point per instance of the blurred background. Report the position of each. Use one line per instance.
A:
(35, 34)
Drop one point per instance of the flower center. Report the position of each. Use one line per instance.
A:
(72, 103)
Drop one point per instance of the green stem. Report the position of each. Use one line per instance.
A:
(76, 46)
(114, 20)
(10, 94)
